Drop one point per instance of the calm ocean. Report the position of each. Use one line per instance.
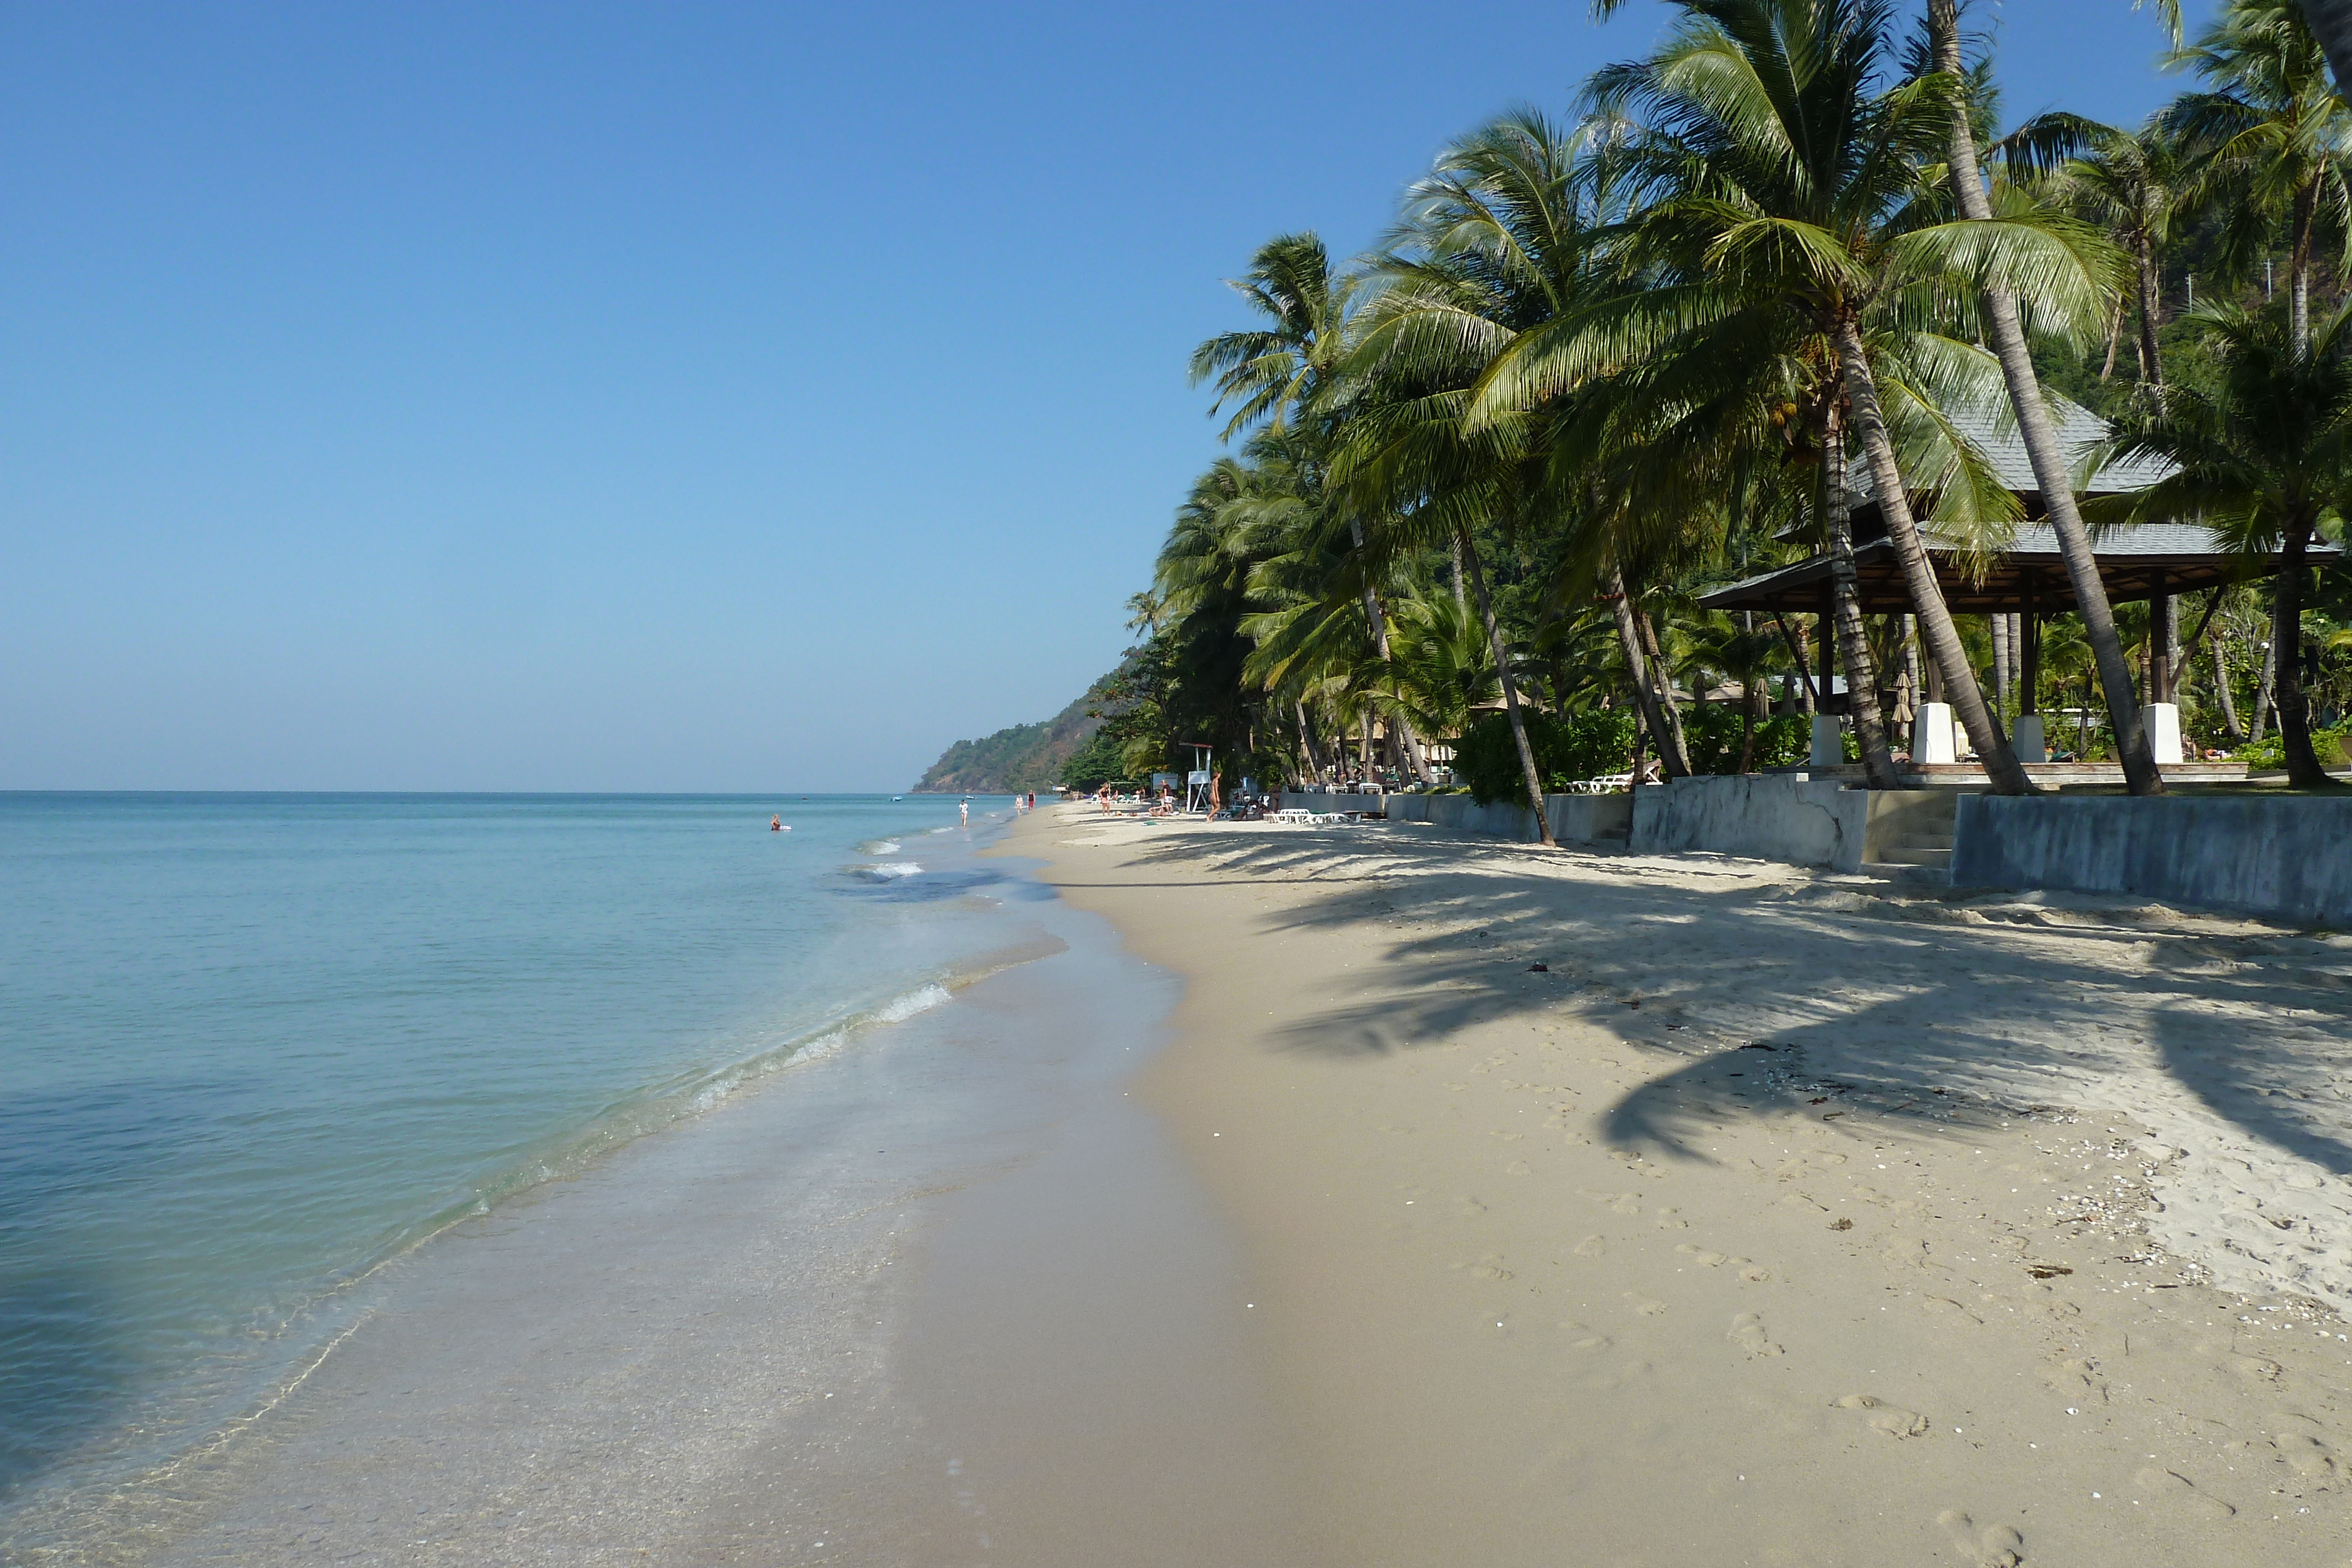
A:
(252, 1047)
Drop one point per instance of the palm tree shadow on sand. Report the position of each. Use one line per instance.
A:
(1793, 995)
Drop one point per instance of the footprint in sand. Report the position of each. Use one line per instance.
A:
(1626, 1203)
(1712, 1259)
(1885, 1418)
(2293, 1441)
(2172, 1488)
(2255, 1368)
(1592, 1247)
(1672, 1219)
(1648, 1306)
(1994, 1546)
(1487, 1268)
(1754, 1274)
(1748, 1334)
(1581, 1338)
(2075, 1376)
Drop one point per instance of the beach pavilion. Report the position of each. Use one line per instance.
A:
(2148, 562)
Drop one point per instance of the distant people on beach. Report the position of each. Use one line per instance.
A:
(963, 809)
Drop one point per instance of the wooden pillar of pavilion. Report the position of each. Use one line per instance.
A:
(2029, 626)
(2164, 644)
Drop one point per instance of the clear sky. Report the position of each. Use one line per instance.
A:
(666, 396)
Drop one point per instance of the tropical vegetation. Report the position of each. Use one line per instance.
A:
(1789, 260)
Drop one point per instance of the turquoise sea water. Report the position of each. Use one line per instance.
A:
(254, 1046)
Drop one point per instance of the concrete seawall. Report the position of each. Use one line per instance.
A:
(1782, 817)
(1575, 819)
(2288, 857)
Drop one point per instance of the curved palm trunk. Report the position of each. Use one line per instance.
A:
(1646, 694)
(1845, 610)
(1306, 740)
(1664, 677)
(1400, 726)
(1510, 692)
(2306, 204)
(2303, 769)
(2222, 689)
(2151, 364)
(2265, 683)
(2050, 475)
(1935, 628)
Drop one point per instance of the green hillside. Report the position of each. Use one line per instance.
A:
(1025, 756)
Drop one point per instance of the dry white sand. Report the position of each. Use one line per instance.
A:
(1784, 1218)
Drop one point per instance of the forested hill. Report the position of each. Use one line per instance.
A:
(1025, 756)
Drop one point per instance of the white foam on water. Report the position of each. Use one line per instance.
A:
(899, 1008)
(889, 869)
(878, 847)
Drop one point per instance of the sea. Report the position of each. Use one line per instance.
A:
(255, 1049)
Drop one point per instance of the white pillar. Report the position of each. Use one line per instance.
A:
(2026, 741)
(1829, 741)
(1931, 734)
(2162, 722)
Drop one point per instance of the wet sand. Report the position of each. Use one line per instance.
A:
(1778, 1219)
(948, 1297)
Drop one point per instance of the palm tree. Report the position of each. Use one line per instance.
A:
(2267, 144)
(1780, 162)
(2263, 458)
(1501, 235)
(2126, 183)
(1284, 373)
(2005, 332)
(2331, 23)
(1444, 669)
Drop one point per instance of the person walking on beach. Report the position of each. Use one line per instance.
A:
(963, 809)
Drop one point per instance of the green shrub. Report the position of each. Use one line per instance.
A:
(1586, 746)
(1711, 731)
(2270, 752)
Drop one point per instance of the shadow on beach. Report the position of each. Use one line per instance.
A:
(1767, 989)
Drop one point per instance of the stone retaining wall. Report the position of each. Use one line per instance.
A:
(2286, 857)
(1574, 818)
(1782, 817)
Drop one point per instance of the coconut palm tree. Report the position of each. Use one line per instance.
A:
(1501, 234)
(1780, 164)
(1282, 375)
(2268, 145)
(2127, 182)
(2331, 23)
(1444, 669)
(2263, 458)
(2005, 334)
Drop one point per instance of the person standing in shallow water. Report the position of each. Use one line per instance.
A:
(963, 811)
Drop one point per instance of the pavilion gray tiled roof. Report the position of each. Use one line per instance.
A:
(1995, 436)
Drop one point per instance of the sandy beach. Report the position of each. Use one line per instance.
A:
(1693, 1211)
(1289, 1197)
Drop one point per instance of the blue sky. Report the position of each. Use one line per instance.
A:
(666, 397)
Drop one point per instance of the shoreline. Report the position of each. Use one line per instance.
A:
(885, 1306)
(1771, 1221)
